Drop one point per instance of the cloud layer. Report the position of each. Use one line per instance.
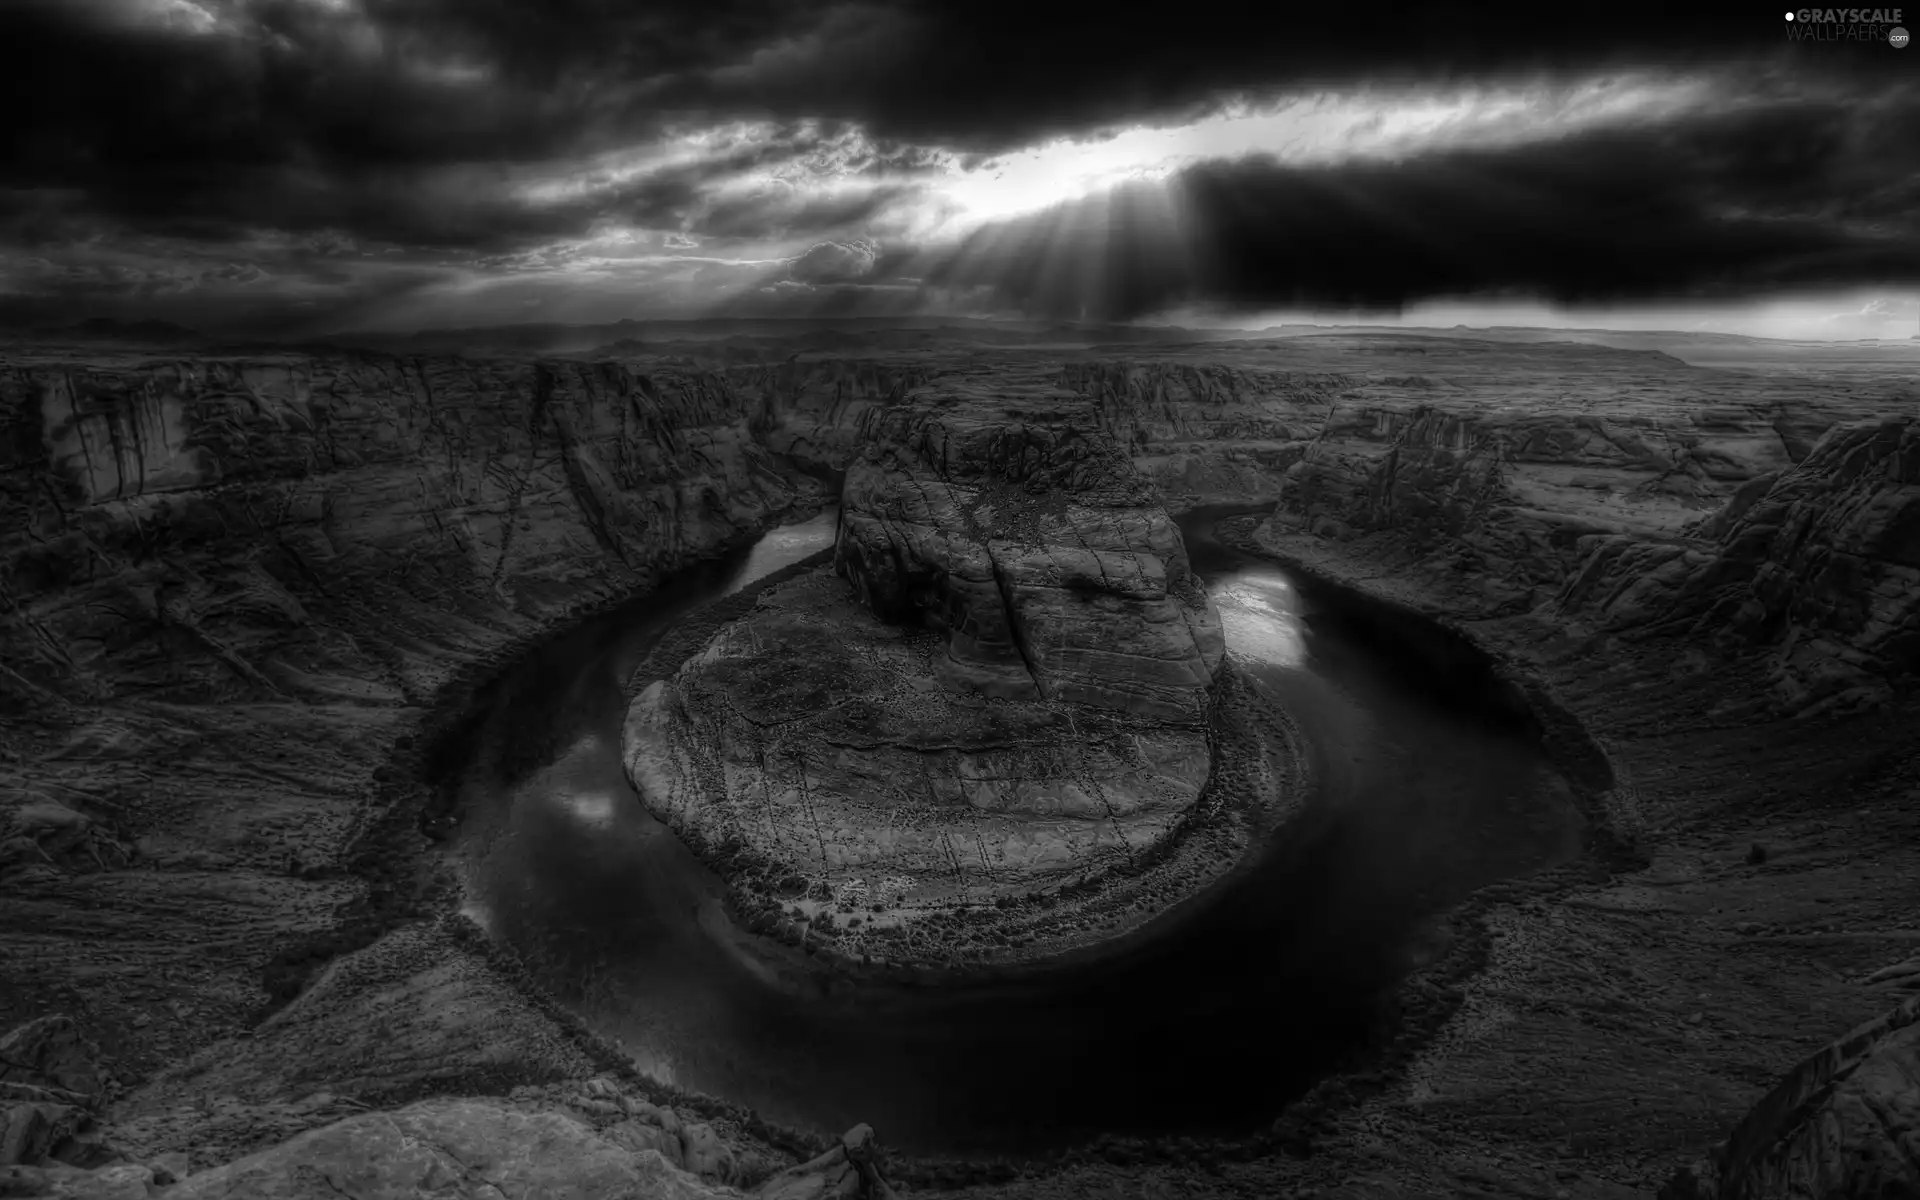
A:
(1753, 200)
(298, 165)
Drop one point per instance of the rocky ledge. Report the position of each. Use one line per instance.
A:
(1004, 689)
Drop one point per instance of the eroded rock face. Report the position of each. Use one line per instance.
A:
(1821, 562)
(812, 411)
(1002, 688)
(1209, 433)
(1030, 543)
(1508, 495)
(1720, 525)
(1843, 1125)
(227, 584)
(820, 737)
(215, 529)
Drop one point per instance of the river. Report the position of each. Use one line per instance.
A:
(1424, 791)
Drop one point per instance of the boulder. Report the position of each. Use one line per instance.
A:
(704, 1154)
(221, 528)
(52, 1053)
(849, 1171)
(31, 1133)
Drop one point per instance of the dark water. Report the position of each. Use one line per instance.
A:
(1426, 790)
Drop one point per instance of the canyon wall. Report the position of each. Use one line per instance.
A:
(1820, 563)
(1767, 526)
(1206, 433)
(810, 412)
(230, 589)
(205, 528)
(308, 527)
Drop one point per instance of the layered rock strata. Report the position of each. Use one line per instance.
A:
(229, 591)
(223, 529)
(1819, 563)
(1844, 1122)
(1030, 545)
(1004, 688)
(1764, 527)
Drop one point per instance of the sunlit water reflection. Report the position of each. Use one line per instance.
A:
(1260, 615)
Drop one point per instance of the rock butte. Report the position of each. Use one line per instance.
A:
(1002, 685)
(232, 584)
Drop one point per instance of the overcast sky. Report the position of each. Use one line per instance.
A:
(303, 166)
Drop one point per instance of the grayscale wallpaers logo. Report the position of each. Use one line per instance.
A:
(1847, 25)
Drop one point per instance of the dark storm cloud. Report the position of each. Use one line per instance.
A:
(442, 132)
(1001, 73)
(997, 73)
(403, 123)
(1790, 195)
(153, 121)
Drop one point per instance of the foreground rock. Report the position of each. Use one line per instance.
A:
(479, 1149)
(1005, 690)
(1843, 1125)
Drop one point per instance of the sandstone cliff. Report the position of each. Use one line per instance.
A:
(295, 527)
(811, 411)
(1763, 524)
(1507, 495)
(229, 591)
(1006, 691)
(1029, 542)
(1209, 433)
(1819, 563)
(817, 736)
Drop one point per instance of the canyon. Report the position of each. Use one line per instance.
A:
(246, 599)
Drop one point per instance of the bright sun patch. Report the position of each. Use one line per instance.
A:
(1318, 128)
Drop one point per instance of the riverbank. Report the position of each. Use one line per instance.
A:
(1756, 877)
(1425, 630)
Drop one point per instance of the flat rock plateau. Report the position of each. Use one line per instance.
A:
(243, 596)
